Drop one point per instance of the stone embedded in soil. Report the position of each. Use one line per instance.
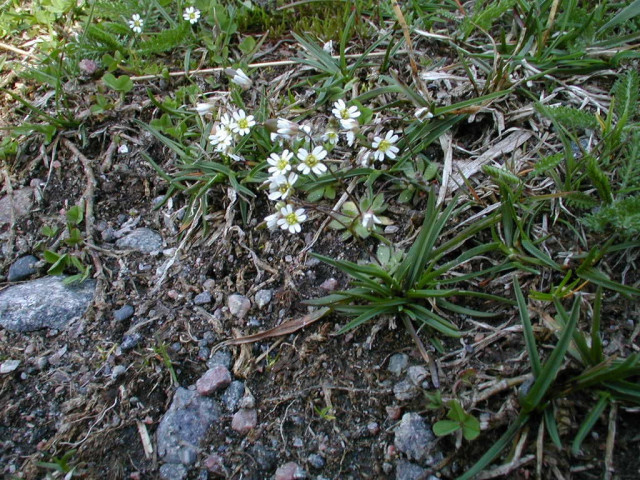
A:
(22, 203)
(265, 457)
(398, 363)
(123, 313)
(290, 471)
(214, 379)
(417, 374)
(316, 461)
(22, 268)
(263, 297)
(172, 471)
(405, 390)
(221, 357)
(232, 395)
(143, 240)
(202, 298)
(129, 342)
(244, 420)
(185, 424)
(414, 437)
(409, 471)
(239, 305)
(215, 464)
(329, 285)
(44, 303)
(9, 366)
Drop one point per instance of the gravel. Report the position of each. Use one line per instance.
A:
(123, 313)
(142, 240)
(413, 437)
(22, 268)
(398, 363)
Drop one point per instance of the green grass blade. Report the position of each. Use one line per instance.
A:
(552, 426)
(527, 329)
(596, 339)
(589, 422)
(551, 367)
(630, 11)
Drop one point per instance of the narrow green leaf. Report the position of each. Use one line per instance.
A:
(527, 329)
(552, 426)
(590, 421)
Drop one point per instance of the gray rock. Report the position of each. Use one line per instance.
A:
(109, 235)
(215, 464)
(221, 357)
(244, 420)
(264, 457)
(143, 240)
(290, 471)
(118, 371)
(44, 303)
(239, 305)
(129, 342)
(409, 471)
(405, 390)
(202, 298)
(22, 203)
(315, 460)
(188, 455)
(417, 375)
(263, 297)
(9, 366)
(185, 424)
(172, 471)
(414, 437)
(22, 268)
(232, 395)
(214, 379)
(123, 313)
(329, 285)
(398, 363)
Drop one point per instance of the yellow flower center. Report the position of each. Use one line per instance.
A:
(311, 160)
(243, 123)
(384, 145)
(292, 218)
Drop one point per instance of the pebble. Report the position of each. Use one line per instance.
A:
(417, 375)
(264, 457)
(329, 285)
(316, 461)
(393, 412)
(118, 371)
(244, 420)
(263, 297)
(398, 363)
(123, 313)
(405, 390)
(172, 471)
(44, 303)
(232, 395)
(239, 305)
(185, 424)
(202, 298)
(290, 471)
(409, 471)
(22, 203)
(248, 401)
(9, 366)
(373, 428)
(221, 357)
(142, 240)
(22, 268)
(129, 342)
(214, 379)
(204, 353)
(215, 464)
(413, 437)
(188, 455)
(109, 235)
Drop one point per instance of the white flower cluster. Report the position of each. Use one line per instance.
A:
(190, 14)
(229, 129)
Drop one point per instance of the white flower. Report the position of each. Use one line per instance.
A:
(287, 128)
(423, 114)
(364, 157)
(239, 78)
(136, 23)
(351, 137)
(290, 220)
(222, 141)
(281, 187)
(204, 108)
(330, 136)
(122, 149)
(369, 219)
(191, 15)
(385, 146)
(272, 220)
(328, 47)
(242, 123)
(280, 164)
(312, 161)
(345, 114)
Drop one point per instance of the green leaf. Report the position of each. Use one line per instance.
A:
(120, 84)
(75, 215)
(552, 426)
(470, 427)
(445, 427)
(58, 266)
(630, 11)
